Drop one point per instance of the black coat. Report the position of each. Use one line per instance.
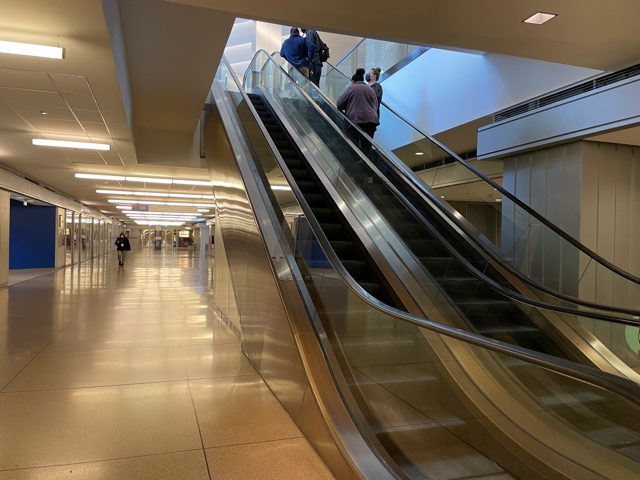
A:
(123, 243)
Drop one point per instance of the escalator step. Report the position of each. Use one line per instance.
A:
(299, 174)
(341, 246)
(282, 145)
(355, 267)
(509, 329)
(424, 247)
(288, 152)
(306, 186)
(322, 213)
(371, 288)
(293, 162)
(437, 452)
(315, 199)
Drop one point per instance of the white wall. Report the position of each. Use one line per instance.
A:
(443, 89)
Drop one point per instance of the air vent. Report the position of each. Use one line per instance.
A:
(569, 92)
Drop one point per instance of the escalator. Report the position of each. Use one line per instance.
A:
(432, 401)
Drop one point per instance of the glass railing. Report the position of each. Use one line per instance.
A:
(368, 53)
(437, 402)
(528, 244)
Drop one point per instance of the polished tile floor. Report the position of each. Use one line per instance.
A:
(111, 372)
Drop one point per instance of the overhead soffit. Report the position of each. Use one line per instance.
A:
(586, 33)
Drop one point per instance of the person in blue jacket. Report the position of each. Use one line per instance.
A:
(298, 51)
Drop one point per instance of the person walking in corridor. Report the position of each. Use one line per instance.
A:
(123, 246)
(299, 52)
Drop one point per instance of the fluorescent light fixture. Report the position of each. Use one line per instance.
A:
(168, 204)
(100, 177)
(31, 50)
(540, 18)
(419, 153)
(203, 210)
(114, 192)
(167, 181)
(41, 142)
(123, 207)
(280, 187)
(192, 182)
(160, 223)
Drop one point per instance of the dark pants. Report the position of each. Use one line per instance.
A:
(316, 73)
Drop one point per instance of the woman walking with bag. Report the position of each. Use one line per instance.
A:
(123, 246)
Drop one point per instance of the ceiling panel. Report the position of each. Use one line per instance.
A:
(26, 110)
(46, 124)
(88, 161)
(95, 129)
(32, 97)
(81, 102)
(72, 84)
(26, 80)
(88, 115)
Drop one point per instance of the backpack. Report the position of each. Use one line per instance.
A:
(324, 51)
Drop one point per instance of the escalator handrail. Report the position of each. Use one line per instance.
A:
(586, 250)
(420, 190)
(621, 386)
(474, 271)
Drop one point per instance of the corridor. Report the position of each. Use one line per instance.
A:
(111, 372)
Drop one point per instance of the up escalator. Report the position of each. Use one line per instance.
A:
(342, 239)
(432, 401)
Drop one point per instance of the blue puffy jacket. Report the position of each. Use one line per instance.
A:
(298, 51)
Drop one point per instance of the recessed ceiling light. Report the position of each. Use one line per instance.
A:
(419, 153)
(65, 144)
(540, 18)
(31, 50)
(44, 113)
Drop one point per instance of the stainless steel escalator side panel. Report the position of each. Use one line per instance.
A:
(276, 331)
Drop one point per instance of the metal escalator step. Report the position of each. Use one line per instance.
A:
(306, 186)
(377, 340)
(424, 247)
(616, 436)
(321, 213)
(511, 329)
(354, 267)
(432, 450)
(341, 246)
(570, 399)
(288, 152)
(371, 288)
(282, 144)
(299, 174)
(314, 199)
(292, 162)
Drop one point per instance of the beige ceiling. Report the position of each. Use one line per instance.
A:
(137, 72)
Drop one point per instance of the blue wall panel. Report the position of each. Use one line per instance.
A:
(32, 236)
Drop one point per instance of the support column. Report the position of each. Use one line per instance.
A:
(4, 238)
(592, 191)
